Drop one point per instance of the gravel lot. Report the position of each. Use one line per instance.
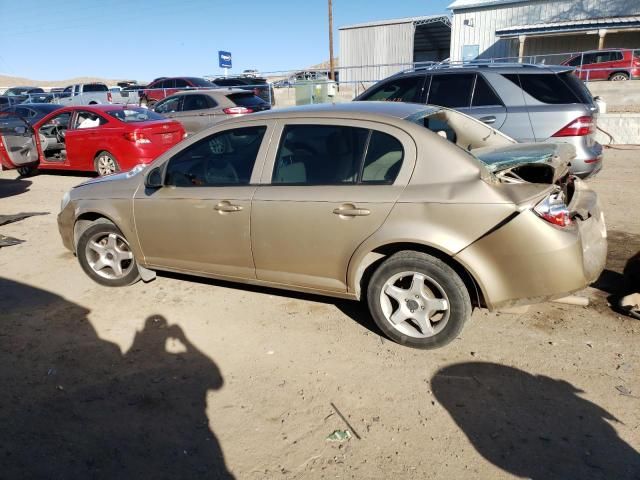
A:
(192, 378)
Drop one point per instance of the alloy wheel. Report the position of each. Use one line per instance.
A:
(106, 165)
(109, 255)
(415, 304)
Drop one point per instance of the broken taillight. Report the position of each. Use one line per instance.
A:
(553, 210)
(578, 128)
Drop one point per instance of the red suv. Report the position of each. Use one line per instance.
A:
(164, 87)
(612, 64)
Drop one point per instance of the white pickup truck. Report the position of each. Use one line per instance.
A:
(94, 94)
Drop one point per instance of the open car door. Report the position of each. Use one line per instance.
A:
(17, 141)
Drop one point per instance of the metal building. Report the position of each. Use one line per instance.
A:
(517, 28)
(375, 50)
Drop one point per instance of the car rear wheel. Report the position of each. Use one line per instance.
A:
(418, 300)
(106, 164)
(619, 77)
(104, 254)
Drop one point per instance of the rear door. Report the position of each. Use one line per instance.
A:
(327, 186)
(81, 139)
(196, 112)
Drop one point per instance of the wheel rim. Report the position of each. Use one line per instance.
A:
(109, 255)
(106, 165)
(415, 304)
(618, 78)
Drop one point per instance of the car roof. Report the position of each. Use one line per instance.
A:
(504, 68)
(212, 92)
(357, 110)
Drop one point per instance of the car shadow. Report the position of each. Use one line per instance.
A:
(533, 426)
(621, 275)
(10, 187)
(356, 310)
(74, 406)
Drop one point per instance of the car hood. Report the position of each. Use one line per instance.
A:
(510, 160)
(114, 177)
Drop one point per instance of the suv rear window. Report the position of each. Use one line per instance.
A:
(545, 87)
(245, 99)
(94, 87)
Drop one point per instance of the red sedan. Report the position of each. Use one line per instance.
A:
(100, 138)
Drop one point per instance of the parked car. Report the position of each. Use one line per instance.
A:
(164, 87)
(31, 112)
(199, 109)
(259, 86)
(530, 103)
(22, 94)
(95, 94)
(100, 138)
(615, 64)
(424, 211)
(7, 101)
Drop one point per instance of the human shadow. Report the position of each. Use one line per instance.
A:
(621, 275)
(73, 406)
(13, 186)
(533, 426)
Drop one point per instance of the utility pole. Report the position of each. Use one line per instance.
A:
(331, 66)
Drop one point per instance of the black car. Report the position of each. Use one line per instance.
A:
(31, 112)
(259, 86)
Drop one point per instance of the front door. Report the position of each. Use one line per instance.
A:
(17, 141)
(199, 221)
(331, 186)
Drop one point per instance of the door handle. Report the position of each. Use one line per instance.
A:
(488, 120)
(226, 207)
(351, 211)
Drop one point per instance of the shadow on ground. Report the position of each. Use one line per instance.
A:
(10, 187)
(73, 406)
(621, 275)
(534, 426)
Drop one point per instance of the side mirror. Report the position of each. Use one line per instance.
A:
(154, 178)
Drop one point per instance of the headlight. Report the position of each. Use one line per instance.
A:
(66, 198)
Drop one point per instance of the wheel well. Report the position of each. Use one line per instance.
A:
(619, 71)
(475, 292)
(93, 103)
(84, 221)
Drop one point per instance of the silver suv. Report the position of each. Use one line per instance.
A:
(530, 103)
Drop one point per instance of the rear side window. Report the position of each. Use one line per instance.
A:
(451, 90)
(94, 87)
(194, 102)
(407, 89)
(383, 160)
(546, 88)
(483, 95)
(336, 155)
(86, 119)
(245, 99)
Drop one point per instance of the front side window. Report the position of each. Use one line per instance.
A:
(483, 95)
(336, 155)
(222, 159)
(168, 105)
(451, 90)
(407, 89)
(25, 112)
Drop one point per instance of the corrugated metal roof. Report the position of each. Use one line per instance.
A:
(462, 4)
(396, 21)
(570, 26)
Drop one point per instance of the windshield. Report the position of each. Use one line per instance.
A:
(135, 114)
(16, 91)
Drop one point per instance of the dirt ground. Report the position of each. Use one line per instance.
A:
(191, 378)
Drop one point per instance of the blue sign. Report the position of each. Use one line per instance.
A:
(224, 59)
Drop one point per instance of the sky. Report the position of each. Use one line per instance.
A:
(141, 40)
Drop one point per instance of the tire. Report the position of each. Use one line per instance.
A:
(428, 298)
(619, 77)
(106, 164)
(26, 171)
(102, 243)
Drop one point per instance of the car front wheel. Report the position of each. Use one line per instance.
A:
(104, 254)
(418, 300)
